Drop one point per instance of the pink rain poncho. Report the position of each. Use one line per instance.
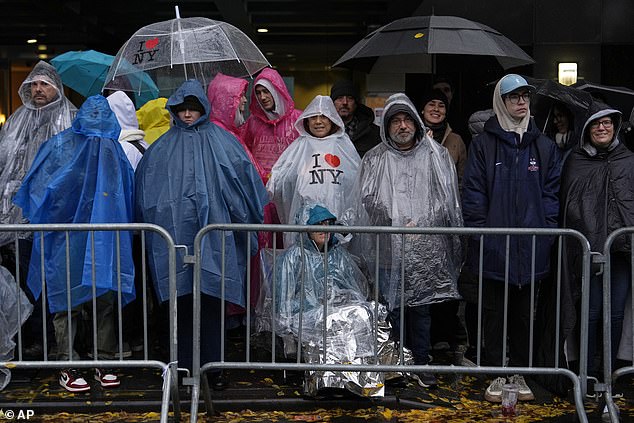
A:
(268, 137)
(224, 94)
(23, 134)
(315, 170)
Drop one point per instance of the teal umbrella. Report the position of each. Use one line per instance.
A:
(85, 72)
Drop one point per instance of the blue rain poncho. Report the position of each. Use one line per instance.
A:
(193, 176)
(413, 188)
(81, 175)
(23, 134)
(315, 170)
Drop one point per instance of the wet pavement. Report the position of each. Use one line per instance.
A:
(277, 396)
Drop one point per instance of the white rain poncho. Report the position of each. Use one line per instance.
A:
(413, 188)
(315, 170)
(23, 134)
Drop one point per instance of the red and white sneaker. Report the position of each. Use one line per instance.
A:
(72, 381)
(106, 379)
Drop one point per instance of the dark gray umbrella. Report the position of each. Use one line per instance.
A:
(430, 35)
(620, 98)
(549, 93)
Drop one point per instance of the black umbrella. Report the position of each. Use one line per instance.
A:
(549, 93)
(620, 98)
(430, 35)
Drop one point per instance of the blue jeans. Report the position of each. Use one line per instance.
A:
(620, 275)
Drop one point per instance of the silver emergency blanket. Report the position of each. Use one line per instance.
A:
(314, 170)
(11, 297)
(23, 134)
(415, 188)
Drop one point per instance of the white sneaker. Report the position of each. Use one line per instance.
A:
(524, 392)
(494, 391)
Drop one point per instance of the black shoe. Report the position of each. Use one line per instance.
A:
(218, 381)
(396, 382)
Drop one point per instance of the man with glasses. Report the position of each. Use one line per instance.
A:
(511, 179)
(409, 180)
(597, 196)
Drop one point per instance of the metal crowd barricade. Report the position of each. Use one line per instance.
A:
(610, 377)
(199, 369)
(170, 392)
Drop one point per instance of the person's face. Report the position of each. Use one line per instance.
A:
(402, 130)
(518, 103)
(189, 116)
(265, 98)
(434, 112)
(346, 106)
(602, 131)
(42, 93)
(319, 126)
(320, 238)
(561, 121)
(242, 103)
(445, 88)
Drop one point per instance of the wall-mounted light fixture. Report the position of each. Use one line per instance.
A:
(567, 74)
(263, 30)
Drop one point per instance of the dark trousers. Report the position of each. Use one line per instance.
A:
(209, 330)
(620, 282)
(518, 323)
(416, 331)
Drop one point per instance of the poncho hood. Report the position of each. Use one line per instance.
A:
(154, 119)
(42, 71)
(224, 94)
(272, 80)
(321, 105)
(194, 88)
(397, 103)
(597, 111)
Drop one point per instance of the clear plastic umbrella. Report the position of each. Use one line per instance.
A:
(186, 48)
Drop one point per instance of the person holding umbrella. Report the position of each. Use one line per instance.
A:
(193, 175)
(511, 180)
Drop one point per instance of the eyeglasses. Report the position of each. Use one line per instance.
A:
(607, 124)
(406, 120)
(515, 98)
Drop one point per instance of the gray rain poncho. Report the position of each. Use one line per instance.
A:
(413, 188)
(23, 134)
(315, 170)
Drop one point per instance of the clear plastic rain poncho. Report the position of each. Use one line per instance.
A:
(413, 188)
(11, 297)
(315, 170)
(23, 134)
(300, 286)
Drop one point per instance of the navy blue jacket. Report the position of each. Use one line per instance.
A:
(511, 184)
